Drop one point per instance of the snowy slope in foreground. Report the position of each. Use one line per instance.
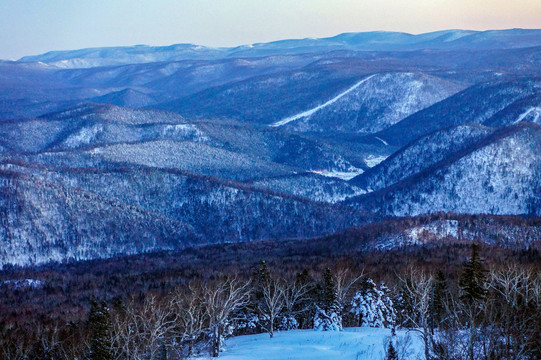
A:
(353, 343)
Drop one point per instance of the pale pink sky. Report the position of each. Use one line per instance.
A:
(34, 26)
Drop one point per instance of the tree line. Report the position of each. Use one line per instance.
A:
(476, 312)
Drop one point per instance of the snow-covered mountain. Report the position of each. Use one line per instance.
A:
(45, 221)
(93, 210)
(421, 154)
(477, 104)
(289, 139)
(367, 41)
(373, 104)
(499, 175)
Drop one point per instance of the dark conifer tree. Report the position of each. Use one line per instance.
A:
(472, 284)
(99, 326)
(391, 353)
(260, 277)
(473, 278)
(438, 297)
(329, 296)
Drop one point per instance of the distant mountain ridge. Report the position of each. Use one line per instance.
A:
(363, 41)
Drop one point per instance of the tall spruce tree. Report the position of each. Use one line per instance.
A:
(261, 277)
(99, 326)
(330, 297)
(473, 278)
(439, 291)
(472, 284)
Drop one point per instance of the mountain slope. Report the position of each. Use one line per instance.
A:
(420, 155)
(380, 101)
(216, 210)
(501, 175)
(476, 104)
(43, 222)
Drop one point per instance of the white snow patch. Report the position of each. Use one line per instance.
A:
(351, 344)
(84, 136)
(441, 229)
(536, 114)
(419, 235)
(23, 284)
(344, 175)
(317, 108)
(373, 160)
(383, 141)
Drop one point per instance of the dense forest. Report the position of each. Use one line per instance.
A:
(466, 300)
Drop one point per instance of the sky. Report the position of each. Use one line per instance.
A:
(29, 27)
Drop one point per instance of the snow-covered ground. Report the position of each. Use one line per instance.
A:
(344, 175)
(373, 160)
(352, 343)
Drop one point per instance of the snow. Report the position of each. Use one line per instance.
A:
(344, 175)
(373, 160)
(383, 141)
(352, 343)
(23, 284)
(84, 136)
(536, 114)
(317, 108)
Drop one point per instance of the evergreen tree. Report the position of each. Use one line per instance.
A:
(372, 306)
(391, 353)
(329, 297)
(473, 279)
(327, 315)
(100, 332)
(438, 297)
(472, 284)
(261, 277)
(305, 308)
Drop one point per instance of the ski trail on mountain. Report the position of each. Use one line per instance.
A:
(317, 108)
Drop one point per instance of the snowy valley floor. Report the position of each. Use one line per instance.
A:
(352, 343)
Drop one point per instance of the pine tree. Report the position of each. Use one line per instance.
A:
(330, 297)
(472, 280)
(306, 308)
(327, 317)
(391, 352)
(372, 306)
(438, 297)
(472, 283)
(261, 278)
(100, 332)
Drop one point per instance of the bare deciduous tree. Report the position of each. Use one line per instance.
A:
(296, 293)
(345, 280)
(139, 332)
(272, 302)
(221, 299)
(191, 314)
(417, 290)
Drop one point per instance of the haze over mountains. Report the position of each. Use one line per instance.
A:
(126, 150)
